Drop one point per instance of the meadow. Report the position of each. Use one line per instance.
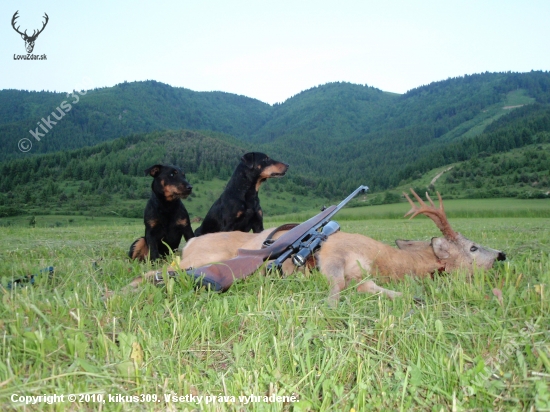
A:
(479, 343)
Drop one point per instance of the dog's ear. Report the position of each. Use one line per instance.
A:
(248, 160)
(153, 170)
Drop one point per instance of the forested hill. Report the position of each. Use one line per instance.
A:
(327, 114)
(410, 133)
(109, 179)
(334, 135)
(104, 114)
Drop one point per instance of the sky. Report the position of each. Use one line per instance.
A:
(270, 50)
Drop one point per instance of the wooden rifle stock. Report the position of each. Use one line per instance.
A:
(220, 276)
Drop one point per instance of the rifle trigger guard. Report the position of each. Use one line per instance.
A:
(158, 279)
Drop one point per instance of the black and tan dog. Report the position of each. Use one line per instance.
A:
(238, 207)
(166, 219)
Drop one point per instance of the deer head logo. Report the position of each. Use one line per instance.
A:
(29, 40)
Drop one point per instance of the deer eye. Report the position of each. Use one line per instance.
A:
(473, 249)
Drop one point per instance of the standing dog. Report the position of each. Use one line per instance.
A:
(166, 219)
(238, 207)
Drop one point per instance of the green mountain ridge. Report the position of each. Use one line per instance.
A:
(334, 112)
(127, 108)
(407, 130)
(334, 136)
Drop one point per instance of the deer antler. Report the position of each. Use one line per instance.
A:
(436, 214)
(15, 16)
(43, 26)
(34, 33)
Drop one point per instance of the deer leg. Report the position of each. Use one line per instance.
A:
(333, 269)
(370, 287)
(337, 284)
(137, 281)
(150, 276)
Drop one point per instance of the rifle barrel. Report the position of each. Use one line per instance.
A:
(360, 189)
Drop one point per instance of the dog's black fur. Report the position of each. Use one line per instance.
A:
(238, 207)
(166, 219)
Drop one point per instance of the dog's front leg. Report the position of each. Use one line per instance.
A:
(188, 232)
(257, 222)
(153, 238)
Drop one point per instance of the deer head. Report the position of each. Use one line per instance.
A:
(453, 250)
(29, 40)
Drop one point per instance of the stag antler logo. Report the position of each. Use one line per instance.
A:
(29, 40)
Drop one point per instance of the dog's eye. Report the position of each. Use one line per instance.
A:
(473, 249)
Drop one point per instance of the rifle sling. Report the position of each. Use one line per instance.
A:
(278, 247)
(269, 239)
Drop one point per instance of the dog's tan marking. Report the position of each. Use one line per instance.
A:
(182, 222)
(141, 250)
(153, 222)
(273, 170)
(259, 183)
(239, 214)
(170, 192)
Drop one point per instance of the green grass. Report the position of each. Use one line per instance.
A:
(518, 97)
(462, 350)
(477, 125)
(454, 208)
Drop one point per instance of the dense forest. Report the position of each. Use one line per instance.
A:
(109, 178)
(334, 136)
(325, 115)
(86, 118)
(522, 127)
(517, 173)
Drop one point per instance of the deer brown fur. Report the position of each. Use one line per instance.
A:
(345, 258)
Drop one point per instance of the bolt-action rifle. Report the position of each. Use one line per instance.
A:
(301, 241)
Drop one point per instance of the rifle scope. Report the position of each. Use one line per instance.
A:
(300, 258)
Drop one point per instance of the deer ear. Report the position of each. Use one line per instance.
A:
(412, 244)
(441, 247)
(248, 160)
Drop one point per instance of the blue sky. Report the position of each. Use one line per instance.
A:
(271, 50)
